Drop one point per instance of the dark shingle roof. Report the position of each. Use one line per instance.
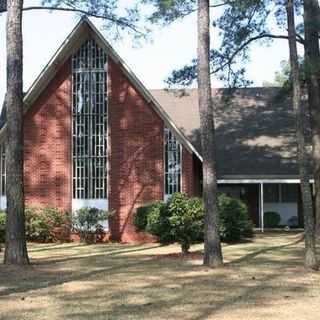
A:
(255, 129)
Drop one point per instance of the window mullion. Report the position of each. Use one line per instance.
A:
(89, 110)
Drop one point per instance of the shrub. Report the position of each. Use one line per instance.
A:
(271, 219)
(141, 217)
(158, 223)
(293, 221)
(234, 219)
(182, 220)
(179, 220)
(2, 226)
(186, 220)
(87, 222)
(41, 222)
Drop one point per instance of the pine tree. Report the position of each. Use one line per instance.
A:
(310, 252)
(212, 245)
(15, 246)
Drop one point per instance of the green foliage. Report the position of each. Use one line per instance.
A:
(239, 24)
(117, 18)
(271, 219)
(179, 220)
(140, 218)
(2, 226)
(87, 221)
(168, 11)
(235, 223)
(41, 222)
(282, 77)
(158, 223)
(186, 220)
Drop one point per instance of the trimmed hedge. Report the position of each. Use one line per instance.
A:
(182, 220)
(140, 219)
(41, 222)
(235, 223)
(271, 219)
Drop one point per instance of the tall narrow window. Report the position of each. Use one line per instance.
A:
(89, 107)
(2, 170)
(172, 163)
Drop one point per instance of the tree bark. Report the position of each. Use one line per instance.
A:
(312, 62)
(15, 247)
(212, 245)
(310, 250)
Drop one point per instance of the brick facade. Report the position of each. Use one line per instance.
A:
(47, 145)
(136, 166)
(135, 151)
(187, 172)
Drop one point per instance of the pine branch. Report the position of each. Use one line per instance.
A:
(119, 21)
(248, 42)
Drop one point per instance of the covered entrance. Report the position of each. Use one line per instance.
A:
(268, 198)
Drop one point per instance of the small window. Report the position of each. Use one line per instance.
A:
(289, 192)
(271, 192)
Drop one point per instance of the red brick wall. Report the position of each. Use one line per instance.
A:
(47, 149)
(187, 172)
(135, 154)
(135, 151)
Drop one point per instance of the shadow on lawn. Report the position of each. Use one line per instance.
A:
(271, 249)
(115, 286)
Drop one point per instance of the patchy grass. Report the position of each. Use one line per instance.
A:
(264, 279)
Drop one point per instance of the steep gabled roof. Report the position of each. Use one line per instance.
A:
(255, 129)
(84, 28)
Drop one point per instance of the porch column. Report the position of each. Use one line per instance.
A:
(261, 208)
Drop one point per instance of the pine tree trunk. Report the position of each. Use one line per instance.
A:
(212, 245)
(15, 247)
(310, 251)
(312, 61)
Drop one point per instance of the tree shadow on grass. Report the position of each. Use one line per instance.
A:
(135, 286)
(255, 253)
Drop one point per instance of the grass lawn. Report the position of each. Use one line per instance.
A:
(264, 279)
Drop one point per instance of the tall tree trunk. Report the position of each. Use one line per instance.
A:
(212, 245)
(312, 62)
(15, 247)
(310, 251)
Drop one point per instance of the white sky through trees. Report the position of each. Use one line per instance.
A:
(152, 61)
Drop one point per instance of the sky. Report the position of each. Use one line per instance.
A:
(171, 47)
